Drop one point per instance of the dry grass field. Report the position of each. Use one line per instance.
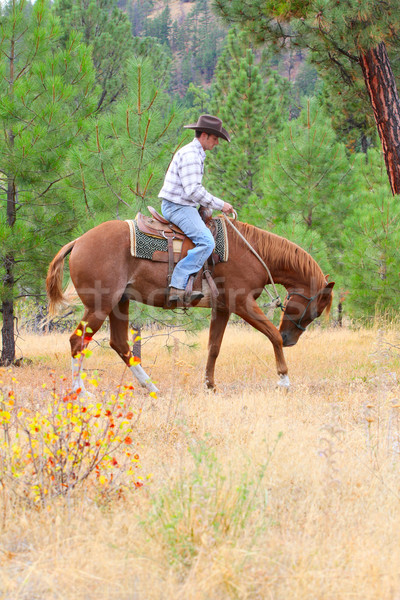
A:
(253, 493)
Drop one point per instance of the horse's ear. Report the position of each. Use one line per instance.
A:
(330, 285)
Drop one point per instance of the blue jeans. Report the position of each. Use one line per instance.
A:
(192, 225)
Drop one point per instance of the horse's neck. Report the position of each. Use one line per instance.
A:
(290, 265)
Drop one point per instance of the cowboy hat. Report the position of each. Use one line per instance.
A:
(210, 124)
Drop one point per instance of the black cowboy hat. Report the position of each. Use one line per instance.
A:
(210, 124)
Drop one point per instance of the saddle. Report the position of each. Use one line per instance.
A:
(157, 226)
(178, 245)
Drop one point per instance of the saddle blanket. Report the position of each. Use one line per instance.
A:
(144, 246)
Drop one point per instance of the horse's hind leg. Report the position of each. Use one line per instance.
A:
(79, 340)
(219, 320)
(119, 323)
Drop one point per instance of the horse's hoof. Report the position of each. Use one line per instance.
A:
(210, 387)
(284, 383)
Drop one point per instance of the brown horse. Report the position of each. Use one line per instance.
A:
(107, 277)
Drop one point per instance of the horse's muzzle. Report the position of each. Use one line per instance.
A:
(288, 339)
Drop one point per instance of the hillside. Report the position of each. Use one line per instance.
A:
(195, 36)
(179, 10)
(191, 32)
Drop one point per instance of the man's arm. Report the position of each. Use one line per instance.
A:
(191, 178)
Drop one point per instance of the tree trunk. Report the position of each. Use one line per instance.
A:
(340, 314)
(382, 90)
(7, 332)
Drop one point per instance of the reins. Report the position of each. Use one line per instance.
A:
(276, 301)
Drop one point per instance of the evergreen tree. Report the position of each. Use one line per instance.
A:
(160, 26)
(197, 43)
(372, 235)
(138, 12)
(348, 106)
(198, 98)
(44, 103)
(122, 166)
(159, 57)
(206, 37)
(107, 29)
(343, 36)
(307, 83)
(177, 39)
(309, 179)
(251, 102)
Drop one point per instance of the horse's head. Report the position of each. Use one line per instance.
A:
(300, 309)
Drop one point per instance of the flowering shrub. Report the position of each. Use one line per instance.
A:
(49, 451)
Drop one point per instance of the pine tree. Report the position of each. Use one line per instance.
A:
(108, 30)
(349, 108)
(309, 178)
(160, 26)
(198, 98)
(197, 43)
(206, 39)
(44, 103)
(177, 38)
(372, 235)
(251, 101)
(122, 166)
(138, 12)
(342, 36)
(159, 56)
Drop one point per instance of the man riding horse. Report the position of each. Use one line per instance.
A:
(182, 192)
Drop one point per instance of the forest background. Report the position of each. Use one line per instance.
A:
(93, 98)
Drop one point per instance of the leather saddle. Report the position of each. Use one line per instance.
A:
(178, 244)
(157, 226)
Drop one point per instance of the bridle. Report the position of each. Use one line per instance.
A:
(276, 300)
(284, 305)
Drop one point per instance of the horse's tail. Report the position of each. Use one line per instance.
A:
(54, 279)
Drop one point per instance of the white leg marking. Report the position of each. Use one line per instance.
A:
(77, 381)
(143, 378)
(284, 382)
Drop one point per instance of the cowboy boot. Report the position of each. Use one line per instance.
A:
(177, 296)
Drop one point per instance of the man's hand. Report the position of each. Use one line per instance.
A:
(227, 208)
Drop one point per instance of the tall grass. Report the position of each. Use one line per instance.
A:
(253, 494)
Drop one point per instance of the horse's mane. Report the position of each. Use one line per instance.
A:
(285, 255)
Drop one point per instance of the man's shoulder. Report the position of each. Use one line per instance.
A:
(191, 148)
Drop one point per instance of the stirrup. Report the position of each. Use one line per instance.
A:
(181, 297)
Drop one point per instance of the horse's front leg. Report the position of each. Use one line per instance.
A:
(252, 313)
(219, 319)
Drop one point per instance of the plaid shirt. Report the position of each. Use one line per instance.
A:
(182, 183)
